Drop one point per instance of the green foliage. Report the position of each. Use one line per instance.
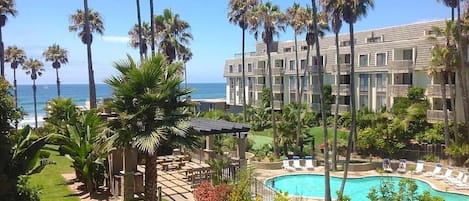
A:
(407, 191)
(60, 112)
(328, 99)
(27, 192)
(259, 118)
(209, 192)
(431, 157)
(241, 188)
(281, 196)
(9, 114)
(217, 165)
(265, 97)
(416, 94)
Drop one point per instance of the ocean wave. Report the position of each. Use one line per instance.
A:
(30, 121)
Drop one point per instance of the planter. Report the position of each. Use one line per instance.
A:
(267, 165)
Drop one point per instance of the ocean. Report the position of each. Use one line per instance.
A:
(79, 94)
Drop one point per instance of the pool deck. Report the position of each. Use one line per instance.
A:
(439, 185)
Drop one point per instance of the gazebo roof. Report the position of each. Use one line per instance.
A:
(212, 127)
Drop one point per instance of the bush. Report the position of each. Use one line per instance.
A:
(25, 191)
(207, 192)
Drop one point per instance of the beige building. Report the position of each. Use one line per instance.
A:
(388, 62)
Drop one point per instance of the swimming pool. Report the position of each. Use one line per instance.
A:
(310, 185)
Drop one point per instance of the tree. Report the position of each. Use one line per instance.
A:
(407, 191)
(173, 34)
(15, 56)
(7, 7)
(57, 56)
(237, 15)
(352, 10)
(270, 19)
(141, 41)
(34, 68)
(147, 100)
(186, 56)
(9, 113)
(85, 26)
(144, 36)
(60, 113)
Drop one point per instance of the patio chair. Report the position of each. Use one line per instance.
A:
(448, 173)
(286, 165)
(419, 167)
(463, 185)
(296, 163)
(309, 163)
(387, 165)
(457, 179)
(402, 166)
(436, 171)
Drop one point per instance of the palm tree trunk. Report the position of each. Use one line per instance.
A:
(139, 21)
(327, 185)
(350, 145)
(58, 81)
(445, 107)
(244, 75)
(2, 54)
(151, 175)
(129, 181)
(299, 96)
(16, 87)
(460, 74)
(336, 114)
(272, 110)
(92, 87)
(152, 27)
(452, 94)
(35, 104)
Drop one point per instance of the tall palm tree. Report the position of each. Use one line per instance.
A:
(85, 26)
(152, 29)
(140, 39)
(270, 19)
(332, 7)
(296, 16)
(237, 15)
(327, 182)
(143, 32)
(352, 10)
(173, 34)
(186, 57)
(460, 68)
(57, 56)
(15, 56)
(34, 68)
(7, 7)
(147, 99)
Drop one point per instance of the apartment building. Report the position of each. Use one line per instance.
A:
(388, 62)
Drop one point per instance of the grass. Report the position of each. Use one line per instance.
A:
(260, 140)
(264, 137)
(51, 180)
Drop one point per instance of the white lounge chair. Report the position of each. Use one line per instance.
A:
(457, 179)
(436, 171)
(387, 165)
(419, 167)
(463, 184)
(296, 163)
(309, 163)
(448, 173)
(402, 166)
(286, 165)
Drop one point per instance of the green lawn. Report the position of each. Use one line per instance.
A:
(260, 140)
(51, 181)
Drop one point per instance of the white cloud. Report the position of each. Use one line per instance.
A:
(116, 39)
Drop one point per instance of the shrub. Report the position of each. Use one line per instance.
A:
(207, 192)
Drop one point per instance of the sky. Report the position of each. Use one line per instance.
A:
(39, 24)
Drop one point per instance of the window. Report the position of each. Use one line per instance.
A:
(292, 65)
(261, 64)
(303, 64)
(250, 82)
(240, 68)
(287, 49)
(380, 102)
(321, 61)
(363, 82)
(345, 43)
(261, 80)
(304, 48)
(344, 79)
(278, 80)
(344, 59)
(381, 82)
(363, 60)
(279, 63)
(363, 101)
(249, 67)
(407, 54)
(292, 97)
(374, 39)
(232, 83)
(293, 82)
(231, 69)
(316, 99)
(381, 59)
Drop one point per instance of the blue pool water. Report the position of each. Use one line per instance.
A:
(309, 185)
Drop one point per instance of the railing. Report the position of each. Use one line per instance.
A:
(259, 71)
(278, 104)
(344, 89)
(259, 190)
(277, 87)
(232, 73)
(342, 108)
(344, 68)
(401, 64)
(278, 71)
(399, 90)
(259, 87)
(437, 115)
(435, 90)
(237, 55)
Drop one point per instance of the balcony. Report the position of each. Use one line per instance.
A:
(277, 87)
(437, 115)
(401, 65)
(399, 90)
(342, 108)
(278, 71)
(344, 68)
(259, 71)
(344, 89)
(259, 87)
(232, 73)
(315, 106)
(278, 104)
(435, 90)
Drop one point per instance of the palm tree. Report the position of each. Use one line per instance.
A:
(332, 7)
(144, 36)
(15, 56)
(352, 10)
(152, 29)
(237, 15)
(460, 68)
(140, 39)
(271, 20)
(173, 34)
(186, 57)
(85, 26)
(147, 100)
(296, 16)
(7, 7)
(57, 56)
(34, 68)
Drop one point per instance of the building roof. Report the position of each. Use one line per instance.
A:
(212, 127)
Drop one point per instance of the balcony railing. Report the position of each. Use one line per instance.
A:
(315, 106)
(399, 90)
(401, 65)
(259, 71)
(259, 87)
(277, 87)
(278, 104)
(437, 115)
(435, 90)
(344, 89)
(278, 71)
(342, 108)
(344, 68)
